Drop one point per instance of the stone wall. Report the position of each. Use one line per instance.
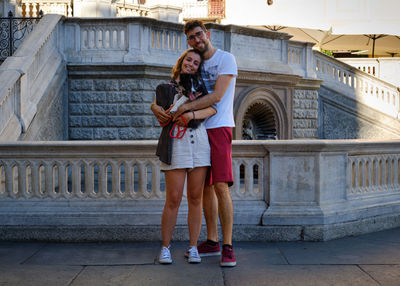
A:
(305, 114)
(113, 106)
(50, 121)
(344, 118)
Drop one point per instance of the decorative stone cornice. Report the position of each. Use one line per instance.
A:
(118, 70)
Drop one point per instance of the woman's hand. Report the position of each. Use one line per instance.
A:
(187, 116)
(162, 115)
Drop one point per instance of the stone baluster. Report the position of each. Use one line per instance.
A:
(69, 10)
(22, 182)
(115, 180)
(155, 180)
(48, 180)
(76, 191)
(396, 172)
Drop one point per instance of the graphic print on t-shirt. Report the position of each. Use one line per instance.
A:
(210, 77)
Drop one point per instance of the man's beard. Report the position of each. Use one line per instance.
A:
(205, 48)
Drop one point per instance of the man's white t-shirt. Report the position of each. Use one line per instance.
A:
(220, 63)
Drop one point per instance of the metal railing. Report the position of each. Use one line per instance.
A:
(13, 31)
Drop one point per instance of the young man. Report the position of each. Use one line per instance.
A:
(219, 73)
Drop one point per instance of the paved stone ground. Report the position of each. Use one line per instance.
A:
(372, 259)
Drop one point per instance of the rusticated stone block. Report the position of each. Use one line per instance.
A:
(305, 104)
(310, 114)
(81, 134)
(106, 84)
(118, 121)
(105, 133)
(305, 123)
(75, 96)
(118, 97)
(132, 109)
(130, 84)
(75, 121)
(93, 121)
(305, 133)
(93, 97)
(80, 109)
(141, 121)
(145, 96)
(105, 109)
(81, 84)
(130, 133)
(151, 84)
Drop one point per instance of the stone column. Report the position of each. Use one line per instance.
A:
(93, 8)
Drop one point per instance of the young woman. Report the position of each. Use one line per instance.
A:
(183, 152)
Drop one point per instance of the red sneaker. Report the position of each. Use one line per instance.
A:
(228, 256)
(206, 249)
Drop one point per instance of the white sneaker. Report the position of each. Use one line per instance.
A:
(165, 256)
(193, 256)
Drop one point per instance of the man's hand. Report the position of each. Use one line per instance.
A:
(162, 115)
(182, 109)
(187, 116)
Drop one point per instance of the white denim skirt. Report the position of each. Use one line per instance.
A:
(192, 151)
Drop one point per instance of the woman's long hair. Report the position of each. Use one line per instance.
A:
(177, 69)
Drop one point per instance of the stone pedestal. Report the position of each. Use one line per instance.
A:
(93, 8)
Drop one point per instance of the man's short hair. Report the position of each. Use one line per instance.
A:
(191, 24)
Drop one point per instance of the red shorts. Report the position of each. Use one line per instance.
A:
(221, 155)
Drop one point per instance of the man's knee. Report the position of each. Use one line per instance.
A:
(221, 190)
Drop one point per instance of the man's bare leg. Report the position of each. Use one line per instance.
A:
(225, 210)
(210, 208)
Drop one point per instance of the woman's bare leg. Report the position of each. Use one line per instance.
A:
(174, 181)
(195, 184)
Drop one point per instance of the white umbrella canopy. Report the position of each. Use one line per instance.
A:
(374, 45)
(371, 44)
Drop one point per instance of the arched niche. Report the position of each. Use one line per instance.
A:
(260, 114)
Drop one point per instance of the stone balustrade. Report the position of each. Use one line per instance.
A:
(31, 8)
(382, 68)
(311, 190)
(128, 171)
(134, 40)
(131, 10)
(193, 9)
(358, 85)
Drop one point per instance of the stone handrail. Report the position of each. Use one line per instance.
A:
(112, 170)
(26, 75)
(33, 7)
(10, 126)
(382, 68)
(367, 65)
(358, 85)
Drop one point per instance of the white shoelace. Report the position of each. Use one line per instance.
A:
(165, 253)
(193, 252)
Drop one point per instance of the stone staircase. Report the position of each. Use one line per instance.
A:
(77, 64)
(112, 66)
